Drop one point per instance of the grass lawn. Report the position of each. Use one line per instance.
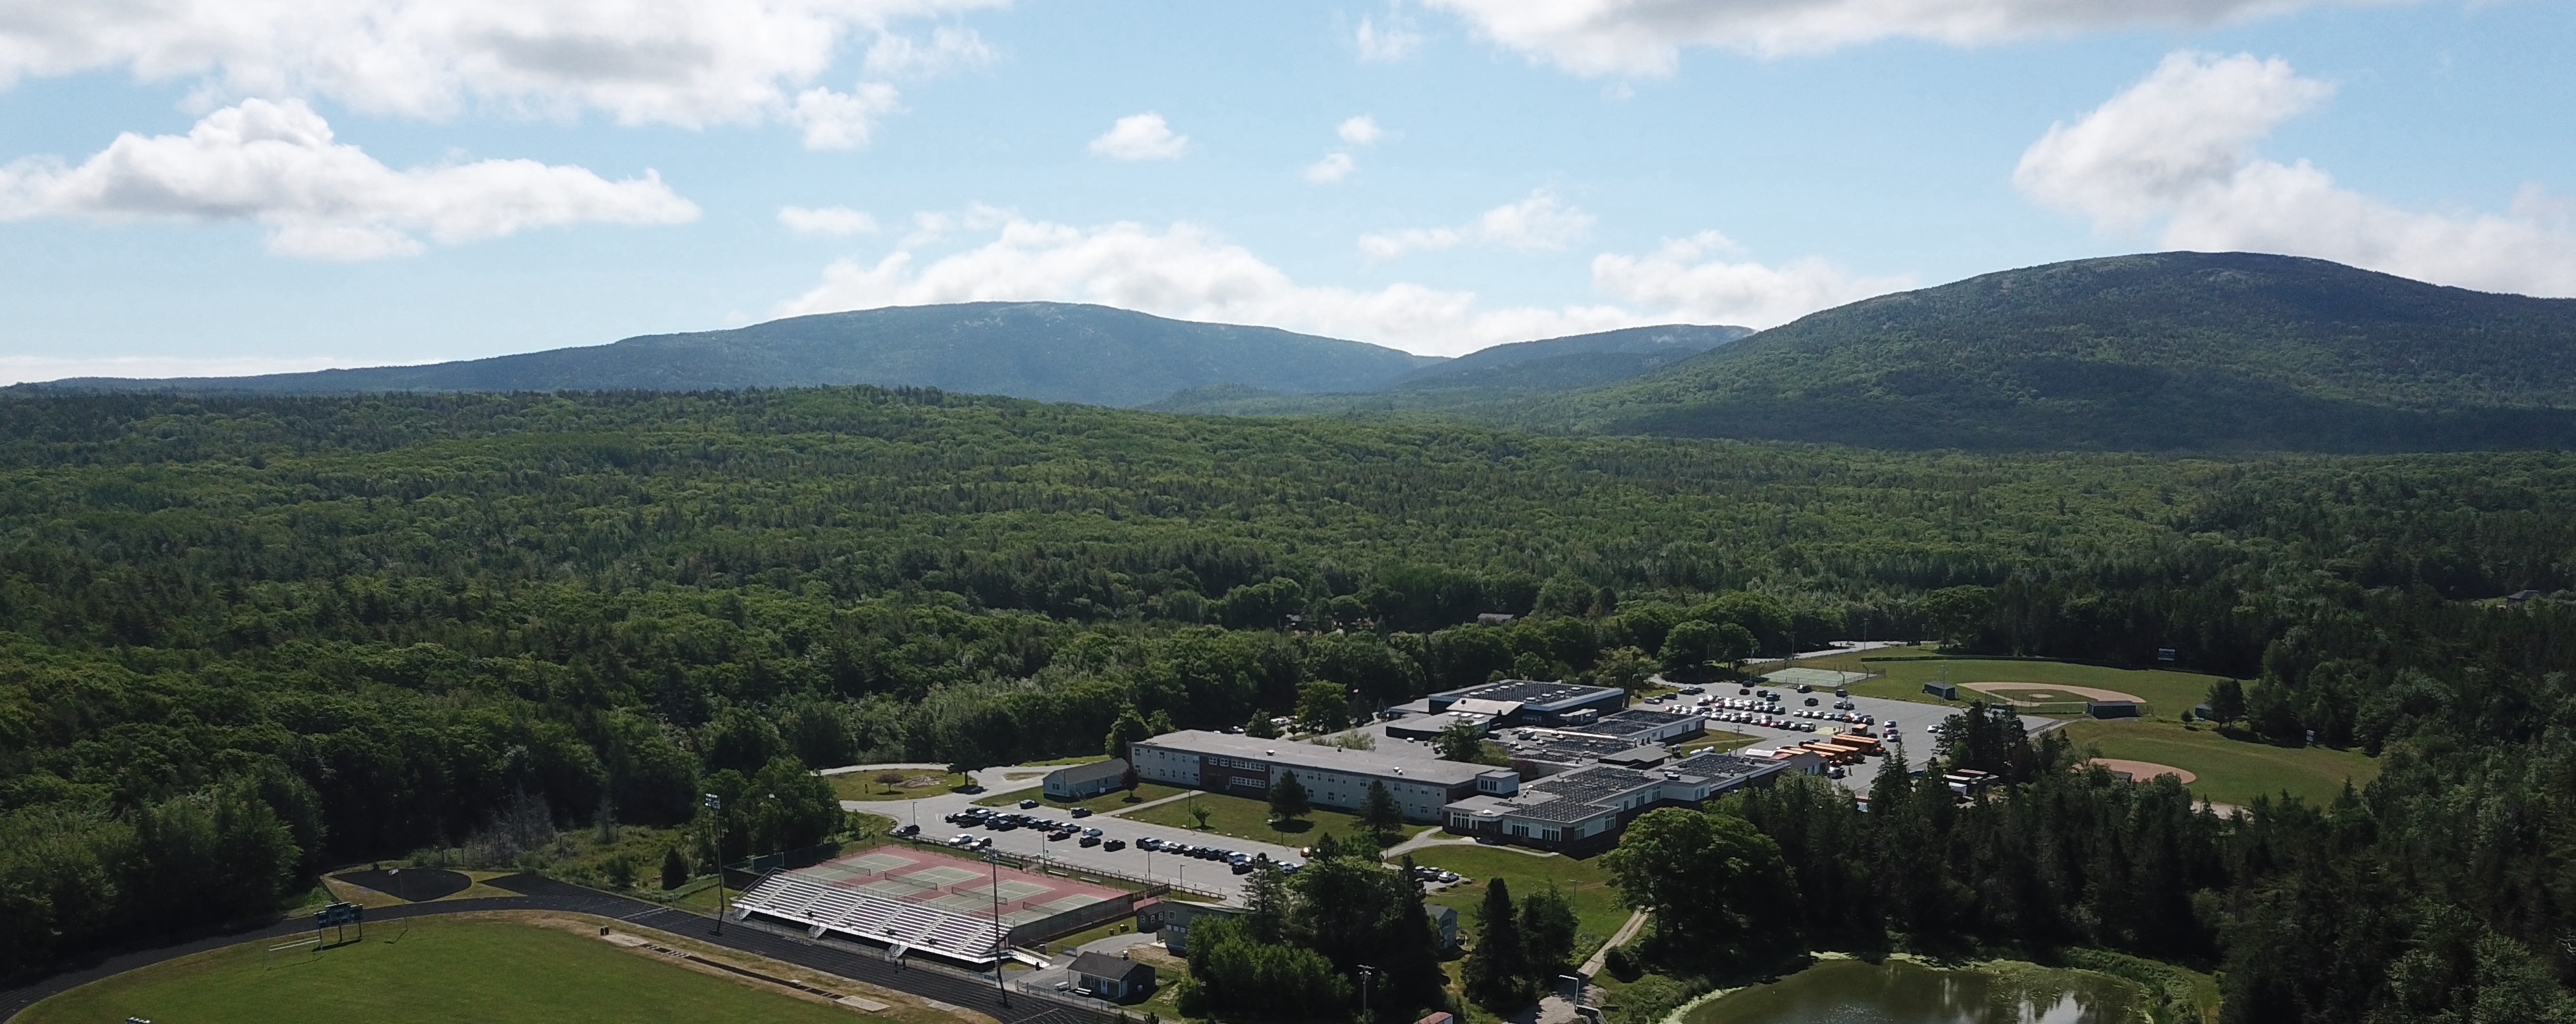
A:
(2231, 771)
(1245, 818)
(1596, 904)
(1103, 804)
(2168, 694)
(908, 785)
(434, 972)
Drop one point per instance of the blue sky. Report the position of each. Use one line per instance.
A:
(285, 184)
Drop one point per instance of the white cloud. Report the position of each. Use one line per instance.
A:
(2179, 147)
(1387, 245)
(842, 120)
(1681, 277)
(1645, 37)
(1143, 136)
(1395, 42)
(1360, 131)
(22, 369)
(691, 64)
(894, 55)
(1537, 221)
(276, 164)
(1185, 271)
(830, 220)
(1331, 169)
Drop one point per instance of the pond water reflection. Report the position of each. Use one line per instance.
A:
(1904, 992)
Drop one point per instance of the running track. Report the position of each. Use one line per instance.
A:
(539, 893)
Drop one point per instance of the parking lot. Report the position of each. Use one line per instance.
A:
(1906, 726)
(1210, 876)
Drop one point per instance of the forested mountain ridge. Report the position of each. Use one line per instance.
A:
(1048, 351)
(244, 637)
(2169, 351)
(1483, 383)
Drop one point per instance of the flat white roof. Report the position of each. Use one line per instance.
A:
(1295, 755)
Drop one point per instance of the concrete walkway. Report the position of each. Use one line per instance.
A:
(1636, 922)
(848, 769)
(1156, 802)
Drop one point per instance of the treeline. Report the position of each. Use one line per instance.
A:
(2438, 893)
(387, 619)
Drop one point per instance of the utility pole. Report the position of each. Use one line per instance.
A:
(994, 858)
(715, 845)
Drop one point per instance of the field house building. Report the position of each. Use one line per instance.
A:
(1333, 777)
(1586, 807)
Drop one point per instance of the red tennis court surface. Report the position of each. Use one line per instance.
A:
(955, 884)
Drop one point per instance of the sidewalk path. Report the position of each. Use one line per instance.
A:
(1636, 923)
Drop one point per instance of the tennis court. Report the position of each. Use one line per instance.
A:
(955, 885)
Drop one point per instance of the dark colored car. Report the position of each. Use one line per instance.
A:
(1082, 812)
(1114, 845)
(1026, 804)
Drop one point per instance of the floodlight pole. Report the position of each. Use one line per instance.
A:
(994, 858)
(1367, 974)
(715, 844)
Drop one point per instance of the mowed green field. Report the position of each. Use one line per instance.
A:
(2168, 694)
(437, 971)
(2231, 771)
(1146, 792)
(909, 785)
(1596, 904)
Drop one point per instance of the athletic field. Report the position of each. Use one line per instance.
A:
(442, 971)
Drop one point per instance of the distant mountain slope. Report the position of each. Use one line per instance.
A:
(1485, 381)
(2172, 351)
(1042, 350)
(1582, 360)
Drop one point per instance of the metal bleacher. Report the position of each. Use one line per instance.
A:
(867, 916)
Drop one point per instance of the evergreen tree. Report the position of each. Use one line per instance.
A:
(1260, 727)
(1379, 810)
(1266, 902)
(675, 868)
(1497, 972)
(1288, 801)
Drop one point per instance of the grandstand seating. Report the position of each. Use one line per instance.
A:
(867, 916)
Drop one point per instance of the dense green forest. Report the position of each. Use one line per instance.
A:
(2174, 351)
(249, 637)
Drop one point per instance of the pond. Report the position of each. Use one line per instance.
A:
(1904, 992)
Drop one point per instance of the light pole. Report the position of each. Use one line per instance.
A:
(715, 844)
(1367, 974)
(994, 858)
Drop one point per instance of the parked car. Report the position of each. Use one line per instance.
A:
(963, 839)
(908, 831)
(1092, 832)
(1091, 840)
(1082, 812)
(1243, 867)
(1027, 804)
(1114, 845)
